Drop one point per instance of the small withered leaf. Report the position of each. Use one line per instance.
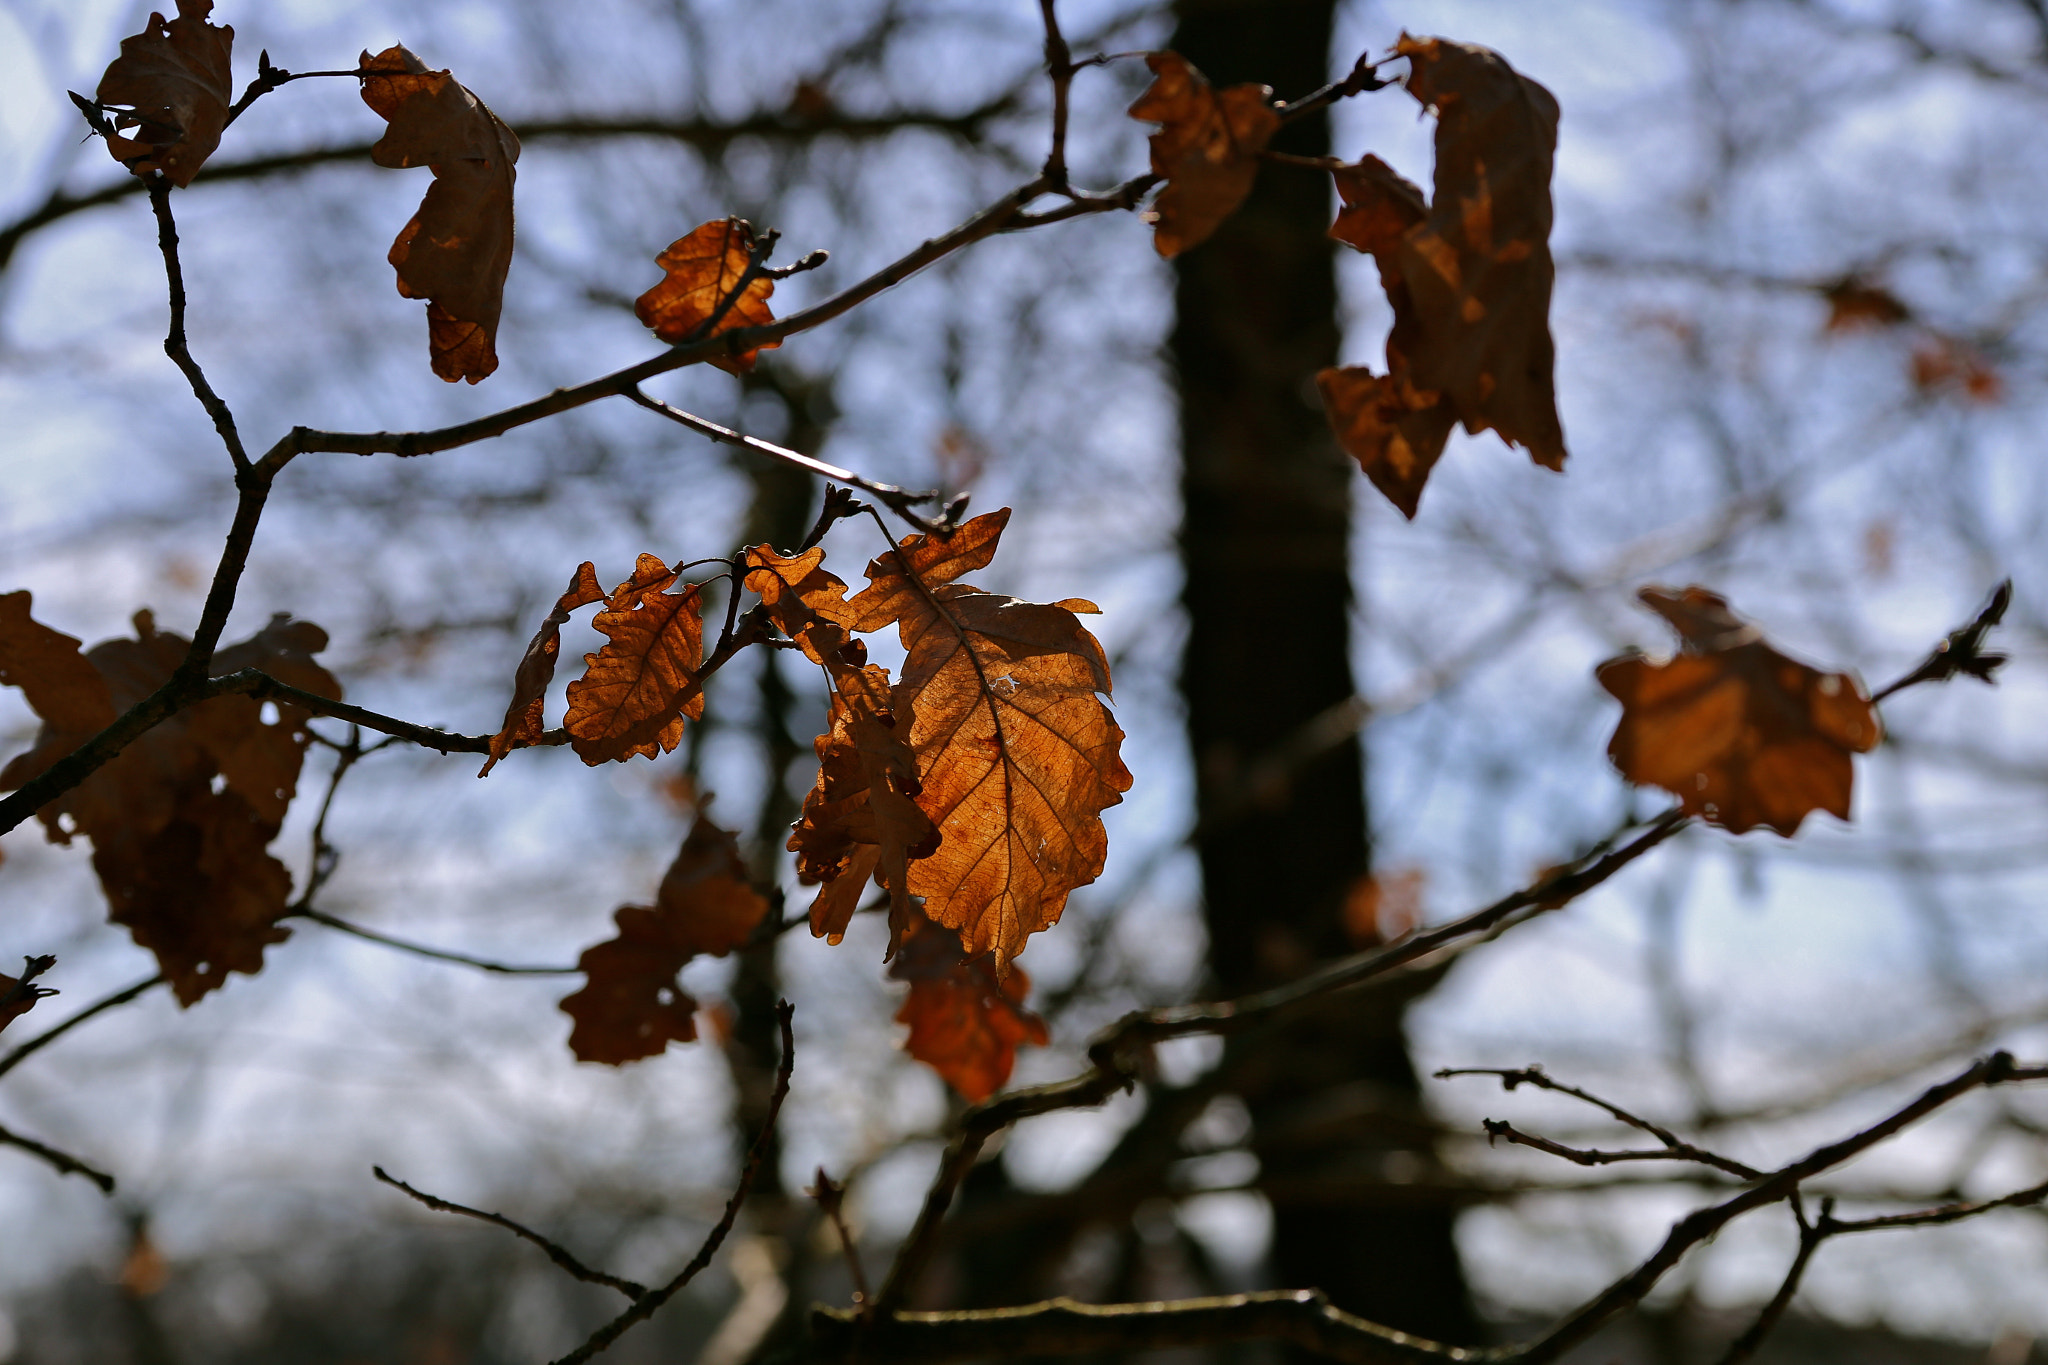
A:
(524, 723)
(1207, 149)
(1017, 755)
(805, 600)
(181, 820)
(701, 272)
(1856, 304)
(1741, 734)
(1468, 274)
(173, 85)
(631, 1005)
(966, 1019)
(636, 691)
(62, 688)
(457, 250)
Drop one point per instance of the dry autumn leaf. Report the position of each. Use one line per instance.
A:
(1855, 304)
(631, 1005)
(635, 692)
(457, 249)
(805, 600)
(1016, 752)
(1206, 150)
(966, 1018)
(701, 271)
(1468, 274)
(173, 84)
(181, 820)
(1742, 735)
(523, 717)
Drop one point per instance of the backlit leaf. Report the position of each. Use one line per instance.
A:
(631, 1005)
(1016, 752)
(523, 717)
(806, 601)
(966, 1018)
(173, 85)
(457, 249)
(1207, 149)
(1742, 735)
(635, 692)
(702, 271)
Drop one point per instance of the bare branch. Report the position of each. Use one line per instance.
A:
(68, 1165)
(644, 1307)
(1962, 651)
(1535, 1075)
(831, 1199)
(556, 1253)
(482, 964)
(174, 340)
(1810, 1238)
(44, 1039)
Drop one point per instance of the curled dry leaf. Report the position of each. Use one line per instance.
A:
(457, 249)
(1016, 752)
(631, 1005)
(524, 721)
(701, 272)
(1742, 735)
(173, 84)
(966, 1018)
(180, 820)
(1468, 274)
(805, 600)
(1207, 149)
(635, 692)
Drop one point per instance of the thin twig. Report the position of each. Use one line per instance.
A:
(1364, 77)
(44, 1039)
(1582, 1156)
(174, 339)
(1962, 651)
(1536, 1076)
(831, 1199)
(422, 950)
(69, 1165)
(1059, 66)
(644, 1307)
(269, 78)
(1810, 1237)
(556, 1252)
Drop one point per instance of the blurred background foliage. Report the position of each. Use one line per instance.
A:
(1734, 176)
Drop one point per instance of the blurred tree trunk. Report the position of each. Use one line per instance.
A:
(1264, 544)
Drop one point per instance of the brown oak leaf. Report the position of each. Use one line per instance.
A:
(62, 687)
(1016, 752)
(701, 271)
(861, 819)
(1207, 149)
(1742, 735)
(966, 1018)
(457, 250)
(1467, 273)
(524, 722)
(805, 600)
(181, 820)
(173, 84)
(636, 691)
(631, 1005)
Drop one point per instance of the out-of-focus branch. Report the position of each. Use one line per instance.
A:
(1962, 651)
(482, 964)
(644, 1307)
(65, 1163)
(1583, 1156)
(49, 1036)
(1674, 1147)
(555, 1251)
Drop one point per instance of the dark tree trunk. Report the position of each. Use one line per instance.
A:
(1264, 543)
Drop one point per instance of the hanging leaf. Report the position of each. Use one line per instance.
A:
(173, 85)
(457, 250)
(1741, 734)
(631, 1005)
(61, 686)
(1207, 149)
(181, 820)
(702, 272)
(967, 1019)
(1467, 273)
(805, 600)
(636, 691)
(1016, 753)
(524, 723)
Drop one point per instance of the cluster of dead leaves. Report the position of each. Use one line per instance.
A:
(631, 1005)
(181, 820)
(173, 86)
(1741, 734)
(970, 789)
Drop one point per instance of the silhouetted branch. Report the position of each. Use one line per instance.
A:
(1810, 1238)
(644, 1307)
(830, 1196)
(44, 1039)
(68, 1165)
(482, 964)
(174, 339)
(1674, 1147)
(556, 1252)
(1962, 651)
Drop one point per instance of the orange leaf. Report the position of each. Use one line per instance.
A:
(631, 1005)
(702, 271)
(1855, 304)
(1016, 753)
(457, 249)
(1468, 276)
(523, 718)
(966, 1018)
(173, 84)
(1379, 909)
(1742, 735)
(181, 820)
(861, 819)
(635, 692)
(806, 601)
(1207, 149)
